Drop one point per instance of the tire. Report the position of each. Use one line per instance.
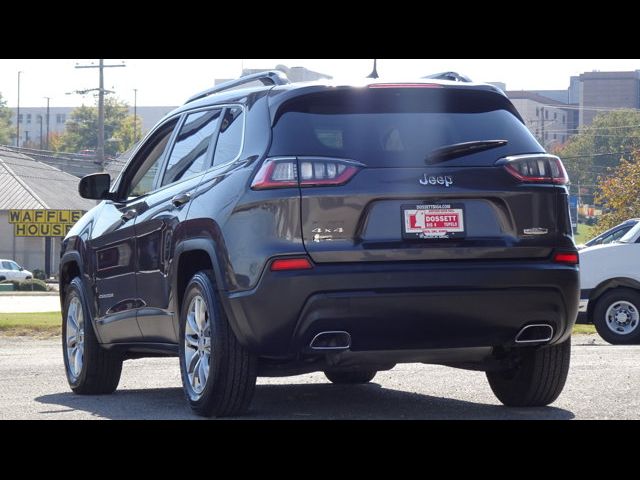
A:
(537, 379)
(351, 378)
(230, 379)
(99, 370)
(626, 303)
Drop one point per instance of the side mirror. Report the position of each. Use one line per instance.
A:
(95, 186)
(20, 268)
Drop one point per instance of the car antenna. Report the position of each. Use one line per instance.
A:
(374, 72)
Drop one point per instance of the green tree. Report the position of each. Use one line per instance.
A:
(599, 147)
(123, 136)
(618, 194)
(55, 141)
(81, 130)
(6, 132)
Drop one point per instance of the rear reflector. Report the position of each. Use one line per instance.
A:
(290, 264)
(536, 168)
(570, 258)
(314, 172)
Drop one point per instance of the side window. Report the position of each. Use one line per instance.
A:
(14, 266)
(617, 235)
(149, 161)
(189, 154)
(230, 137)
(6, 266)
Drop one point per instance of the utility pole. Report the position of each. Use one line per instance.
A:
(47, 140)
(542, 126)
(18, 114)
(135, 115)
(41, 140)
(100, 147)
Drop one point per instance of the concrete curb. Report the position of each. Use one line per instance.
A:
(29, 294)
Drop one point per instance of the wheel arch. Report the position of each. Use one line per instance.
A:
(605, 286)
(71, 266)
(191, 256)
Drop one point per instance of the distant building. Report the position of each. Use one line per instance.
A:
(546, 118)
(28, 186)
(575, 90)
(600, 91)
(295, 74)
(32, 130)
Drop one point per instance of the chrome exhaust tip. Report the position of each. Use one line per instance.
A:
(535, 333)
(331, 340)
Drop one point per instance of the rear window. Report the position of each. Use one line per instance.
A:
(398, 127)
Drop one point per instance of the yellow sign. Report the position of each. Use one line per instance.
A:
(43, 223)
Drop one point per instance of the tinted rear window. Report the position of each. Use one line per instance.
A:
(398, 127)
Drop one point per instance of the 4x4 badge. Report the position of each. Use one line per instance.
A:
(445, 180)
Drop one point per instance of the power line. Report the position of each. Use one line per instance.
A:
(594, 108)
(589, 128)
(598, 154)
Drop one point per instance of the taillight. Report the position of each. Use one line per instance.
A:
(282, 264)
(283, 172)
(570, 258)
(536, 168)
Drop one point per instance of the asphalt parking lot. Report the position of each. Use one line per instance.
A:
(604, 383)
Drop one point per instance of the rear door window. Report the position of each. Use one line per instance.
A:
(229, 142)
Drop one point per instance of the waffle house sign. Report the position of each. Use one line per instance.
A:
(43, 223)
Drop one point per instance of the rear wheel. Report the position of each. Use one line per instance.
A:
(616, 316)
(218, 374)
(352, 378)
(90, 368)
(537, 378)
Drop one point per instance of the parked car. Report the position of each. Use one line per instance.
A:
(610, 288)
(292, 228)
(611, 235)
(10, 270)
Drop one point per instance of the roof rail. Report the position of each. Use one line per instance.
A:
(269, 77)
(453, 76)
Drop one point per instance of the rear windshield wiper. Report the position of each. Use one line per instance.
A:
(448, 152)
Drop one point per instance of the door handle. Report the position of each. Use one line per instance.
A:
(129, 215)
(180, 199)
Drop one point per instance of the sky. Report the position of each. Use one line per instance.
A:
(171, 82)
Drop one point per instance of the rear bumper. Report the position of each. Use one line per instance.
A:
(405, 306)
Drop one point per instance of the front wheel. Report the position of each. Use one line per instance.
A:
(218, 373)
(90, 368)
(536, 379)
(616, 316)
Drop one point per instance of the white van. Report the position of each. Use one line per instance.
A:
(610, 288)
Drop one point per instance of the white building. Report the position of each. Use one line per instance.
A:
(546, 118)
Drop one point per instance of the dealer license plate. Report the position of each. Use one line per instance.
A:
(433, 221)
